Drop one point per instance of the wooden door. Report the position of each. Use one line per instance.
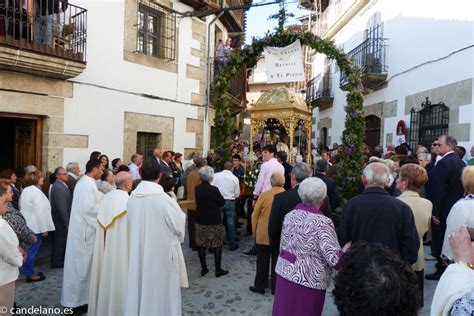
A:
(372, 130)
(25, 132)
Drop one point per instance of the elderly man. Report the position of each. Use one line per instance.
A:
(228, 186)
(73, 173)
(110, 262)
(375, 216)
(61, 200)
(156, 268)
(447, 189)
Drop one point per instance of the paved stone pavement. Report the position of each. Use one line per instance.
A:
(208, 295)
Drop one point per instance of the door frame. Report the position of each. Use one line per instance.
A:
(39, 120)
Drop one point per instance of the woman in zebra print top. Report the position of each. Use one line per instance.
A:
(309, 250)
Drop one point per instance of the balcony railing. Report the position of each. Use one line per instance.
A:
(199, 4)
(319, 91)
(236, 90)
(50, 27)
(370, 56)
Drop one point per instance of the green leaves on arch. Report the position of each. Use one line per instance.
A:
(353, 135)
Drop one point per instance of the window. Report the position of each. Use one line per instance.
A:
(374, 27)
(156, 32)
(147, 142)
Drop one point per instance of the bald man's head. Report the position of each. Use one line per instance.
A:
(123, 180)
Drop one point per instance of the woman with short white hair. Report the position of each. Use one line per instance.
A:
(209, 228)
(309, 250)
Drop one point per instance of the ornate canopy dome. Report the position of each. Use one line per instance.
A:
(280, 98)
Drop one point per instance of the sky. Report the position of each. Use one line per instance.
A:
(257, 18)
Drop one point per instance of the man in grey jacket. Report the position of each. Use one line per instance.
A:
(60, 210)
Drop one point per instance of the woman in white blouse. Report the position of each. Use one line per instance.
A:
(11, 259)
(35, 207)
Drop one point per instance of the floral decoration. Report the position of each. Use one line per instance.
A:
(353, 135)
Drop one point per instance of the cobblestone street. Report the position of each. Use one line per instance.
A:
(208, 295)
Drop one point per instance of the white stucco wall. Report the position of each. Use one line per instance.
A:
(418, 32)
(98, 111)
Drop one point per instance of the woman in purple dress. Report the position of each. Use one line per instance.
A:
(309, 250)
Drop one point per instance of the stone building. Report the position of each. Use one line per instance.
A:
(416, 59)
(115, 76)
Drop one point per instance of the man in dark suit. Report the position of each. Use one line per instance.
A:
(446, 189)
(375, 216)
(282, 157)
(321, 168)
(60, 210)
(165, 163)
(283, 203)
(157, 153)
(73, 172)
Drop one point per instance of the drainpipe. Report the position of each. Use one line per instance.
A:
(208, 84)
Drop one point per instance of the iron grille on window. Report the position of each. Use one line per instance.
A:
(370, 55)
(428, 123)
(147, 142)
(156, 31)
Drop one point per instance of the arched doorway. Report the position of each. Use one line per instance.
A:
(372, 130)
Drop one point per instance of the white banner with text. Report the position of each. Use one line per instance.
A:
(284, 64)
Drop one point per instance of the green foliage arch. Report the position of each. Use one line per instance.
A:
(353, 135)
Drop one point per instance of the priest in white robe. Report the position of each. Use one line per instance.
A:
(80, 239)
(110, 260)
(156, 227)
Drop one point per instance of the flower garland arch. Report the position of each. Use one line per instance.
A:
(353, 135)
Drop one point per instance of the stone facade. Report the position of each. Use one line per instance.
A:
(41, 99)
(148, 123)
(454, 96)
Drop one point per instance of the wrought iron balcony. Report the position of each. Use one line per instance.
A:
(44, 37)
(236, 92)
(313, 4)
(202, 4)
(319, 92)
(370, 56)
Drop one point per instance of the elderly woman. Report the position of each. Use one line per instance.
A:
(208, 227)
(35, 207)
(260, 218)
(462, 213)
(10, 259)
(107, 181)
(308, 251)
(13, 217)
(410, 181)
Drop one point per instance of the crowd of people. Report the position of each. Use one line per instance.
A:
(118, 230)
